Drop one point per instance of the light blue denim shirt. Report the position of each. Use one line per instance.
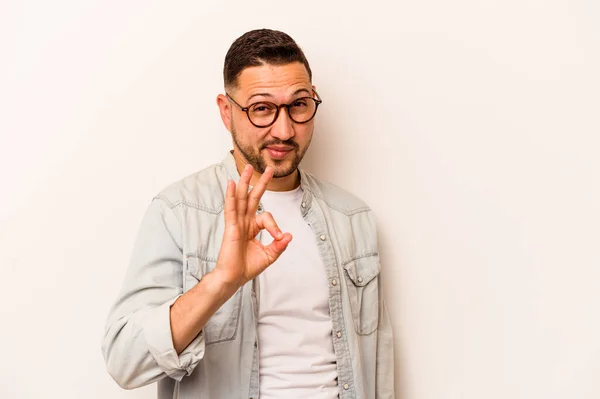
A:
(178, 243)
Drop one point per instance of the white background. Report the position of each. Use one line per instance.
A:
(471, 128)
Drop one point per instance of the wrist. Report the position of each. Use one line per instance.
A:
(221, 284)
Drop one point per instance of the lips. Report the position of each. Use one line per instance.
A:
(278, 152)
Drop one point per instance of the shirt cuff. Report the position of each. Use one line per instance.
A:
(157, 332)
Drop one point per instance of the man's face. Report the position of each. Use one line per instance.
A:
(283, 144)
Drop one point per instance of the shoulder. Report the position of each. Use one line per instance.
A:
(335, 197)
(203, 190)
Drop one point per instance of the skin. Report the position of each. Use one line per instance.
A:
(242, 257)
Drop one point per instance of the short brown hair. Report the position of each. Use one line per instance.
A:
(259, 47)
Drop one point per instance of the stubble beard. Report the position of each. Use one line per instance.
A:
(258, 162)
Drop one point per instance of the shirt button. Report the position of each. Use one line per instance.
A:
(334, 282)
(339, 334)
(322, 237)
(346, 386)
(303, 205)
(360, 279)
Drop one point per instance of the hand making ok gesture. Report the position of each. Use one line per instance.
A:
(242, 257)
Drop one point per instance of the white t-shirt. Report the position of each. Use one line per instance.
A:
(296, 357)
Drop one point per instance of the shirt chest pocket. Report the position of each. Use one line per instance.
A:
(362, 283)
(222, 326)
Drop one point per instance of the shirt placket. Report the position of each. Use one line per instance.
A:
(254, 374)
(313, 215)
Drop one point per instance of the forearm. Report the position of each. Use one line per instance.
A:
(191, 311)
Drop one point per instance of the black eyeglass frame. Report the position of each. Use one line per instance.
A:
(317, 101)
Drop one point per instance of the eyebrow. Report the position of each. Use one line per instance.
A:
(270, 95)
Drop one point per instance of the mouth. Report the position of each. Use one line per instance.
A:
(278, 152)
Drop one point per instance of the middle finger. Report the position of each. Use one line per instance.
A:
(241, 193)
(259, 189)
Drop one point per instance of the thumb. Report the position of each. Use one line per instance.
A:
(276, 248)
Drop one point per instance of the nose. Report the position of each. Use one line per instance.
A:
(283, 128)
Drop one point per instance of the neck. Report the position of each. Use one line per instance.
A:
(286, 183)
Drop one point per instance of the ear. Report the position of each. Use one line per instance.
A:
(315, 91)
(225, 110)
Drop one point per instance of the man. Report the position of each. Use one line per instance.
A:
(219, 300)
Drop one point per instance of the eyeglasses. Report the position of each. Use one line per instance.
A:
(265, 113)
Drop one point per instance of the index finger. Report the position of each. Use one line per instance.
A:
(259, 189)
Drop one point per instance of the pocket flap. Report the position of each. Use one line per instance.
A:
(198, 267)
(362, 270)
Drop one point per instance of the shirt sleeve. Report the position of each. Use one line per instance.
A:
(385, 354)
(137, 345)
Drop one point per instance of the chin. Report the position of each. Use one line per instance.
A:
(284, 173)
(283, 169)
